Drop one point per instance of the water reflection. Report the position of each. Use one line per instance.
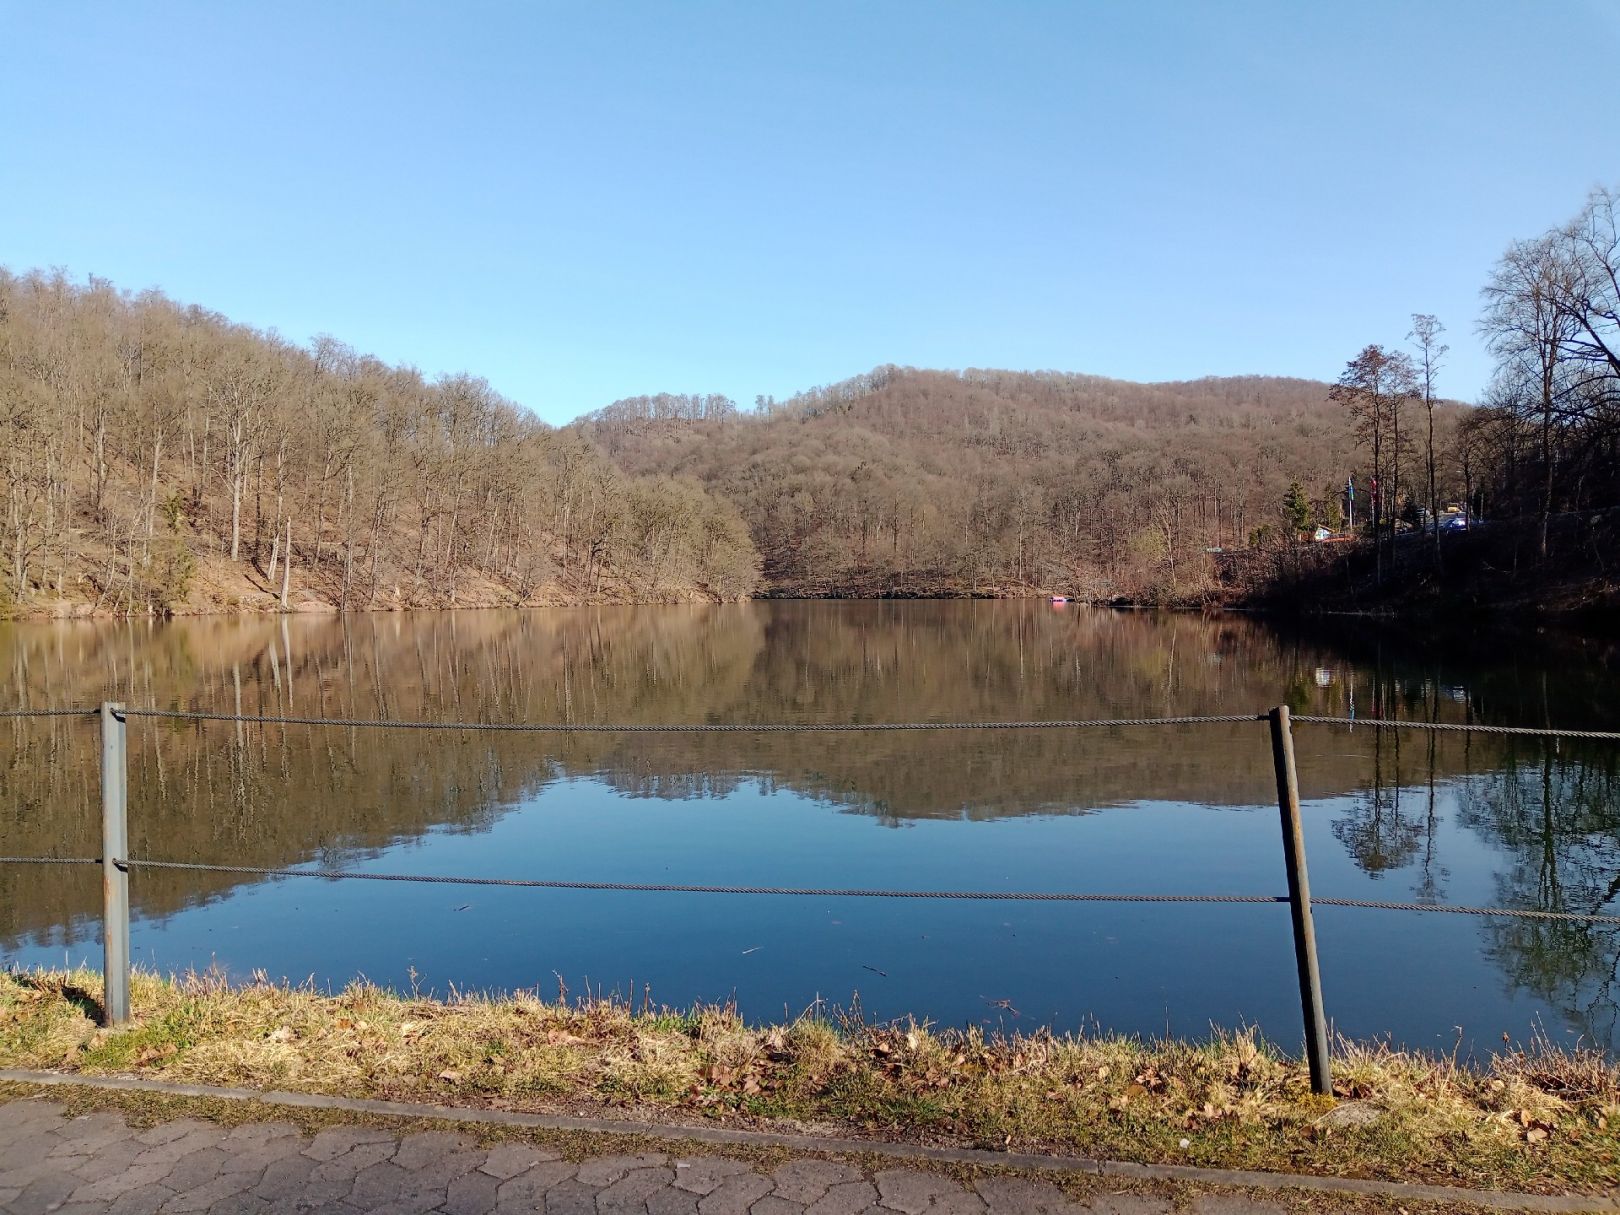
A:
(1448, 817)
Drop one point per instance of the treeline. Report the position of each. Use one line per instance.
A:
(1548, 437)
(909, 482)
(1535, 467)
(158, 457)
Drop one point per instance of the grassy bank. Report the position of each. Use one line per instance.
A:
(1542, 1120)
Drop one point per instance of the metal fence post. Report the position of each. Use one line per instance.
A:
(1299, 901)
(114, 876)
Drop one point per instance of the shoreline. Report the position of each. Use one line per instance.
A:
(1542, 1120)
(1594, 618)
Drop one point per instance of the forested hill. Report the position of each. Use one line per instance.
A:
(159, 458)
(904, 481)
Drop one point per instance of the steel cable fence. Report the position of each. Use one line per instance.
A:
(113, 718)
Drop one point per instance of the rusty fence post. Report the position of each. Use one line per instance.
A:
(114, 873)
(1299, 901)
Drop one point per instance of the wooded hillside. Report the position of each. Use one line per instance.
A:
(906, 482)
(160, 458)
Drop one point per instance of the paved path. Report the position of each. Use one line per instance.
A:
(97, 1164)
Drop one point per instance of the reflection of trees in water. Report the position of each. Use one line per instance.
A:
(278, 795)
(1378, 834)
(1550, 814)
(1553, 812)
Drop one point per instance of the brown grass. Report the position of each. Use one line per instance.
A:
(1542, 1120)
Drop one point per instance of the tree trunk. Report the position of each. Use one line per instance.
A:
(286, 568)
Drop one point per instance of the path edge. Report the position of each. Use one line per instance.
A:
(1500, 1200)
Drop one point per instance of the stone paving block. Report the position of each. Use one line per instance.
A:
(510, 1159)
(336, 1140)
(605, 1170)
(473, 1193)
(285, 1178)
(105, 1189)
(1130, 1204)
(846, 1198)
(913, 1192)
(27, 1149)
(261, 1132)
(735, 1194)
(195, 1169)
(527, 1191)
(240, 1204)
(90, 1133)
(257, 1157)
(195, 1137)
(426, 1147)
(1231, 1204)
(805, 1181)
(114, 1158)
(507, 1160)
(204, 1196)
(572, 1197)
(331, 1181)
(361, 1156)
(43, 1195)
(670, 1201)
(445, 1169)
(703, 1174)
(21, 1178)
(772, 1205)
(1025, 1196)
(144, 1200)
(165, 1131)
(388, 1187)
(630, 1192)
(21, 1117)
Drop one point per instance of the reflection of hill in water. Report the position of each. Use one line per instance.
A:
(279, 795)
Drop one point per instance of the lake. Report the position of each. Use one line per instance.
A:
(1465, 819)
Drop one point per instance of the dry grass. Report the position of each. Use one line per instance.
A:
(1544, 1120)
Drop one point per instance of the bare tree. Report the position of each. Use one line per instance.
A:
(1425, 338)
(1373, 387)
(1526, 325)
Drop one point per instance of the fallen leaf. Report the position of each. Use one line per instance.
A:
(285, 1034)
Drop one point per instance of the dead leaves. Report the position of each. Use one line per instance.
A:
(1530, 1127)
(156, 1054)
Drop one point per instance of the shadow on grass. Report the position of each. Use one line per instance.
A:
(87, 1002)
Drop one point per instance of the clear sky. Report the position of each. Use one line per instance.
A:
(590, 200)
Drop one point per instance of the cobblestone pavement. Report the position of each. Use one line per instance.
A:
(97, 1164)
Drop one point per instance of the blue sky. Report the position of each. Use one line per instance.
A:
(589, 200)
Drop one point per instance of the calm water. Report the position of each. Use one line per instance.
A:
(1448, 819)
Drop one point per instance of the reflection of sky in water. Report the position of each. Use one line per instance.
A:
(1169, 810)
(1129, 967)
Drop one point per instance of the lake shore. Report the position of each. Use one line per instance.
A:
(1540, 1121)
